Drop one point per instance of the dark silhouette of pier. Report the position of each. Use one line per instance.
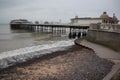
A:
(74, 30)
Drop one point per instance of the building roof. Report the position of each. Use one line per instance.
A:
(85, 18)
(104, 15)
(19, 21)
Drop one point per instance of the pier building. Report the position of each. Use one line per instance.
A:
(103, 19)
(20, 21)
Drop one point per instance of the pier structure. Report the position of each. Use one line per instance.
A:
(74, 30)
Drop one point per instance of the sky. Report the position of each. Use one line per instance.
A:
(55, 10)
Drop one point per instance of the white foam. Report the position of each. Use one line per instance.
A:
(21, 55)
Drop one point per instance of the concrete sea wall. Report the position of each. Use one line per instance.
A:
(107, 38)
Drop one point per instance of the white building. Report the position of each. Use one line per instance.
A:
(104, 18)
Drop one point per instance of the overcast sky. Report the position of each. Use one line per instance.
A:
(54, 10)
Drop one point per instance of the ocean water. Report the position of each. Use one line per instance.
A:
(15, 39)
(19, 45)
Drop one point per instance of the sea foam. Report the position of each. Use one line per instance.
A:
(10, 58)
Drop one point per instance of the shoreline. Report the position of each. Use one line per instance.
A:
(42, 57)
(10, 58)
(76, 62)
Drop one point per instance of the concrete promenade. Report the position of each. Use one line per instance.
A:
(106, 53)
(102, 51)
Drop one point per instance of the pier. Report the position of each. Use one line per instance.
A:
(74, 30)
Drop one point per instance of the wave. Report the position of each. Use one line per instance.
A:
(10, 58)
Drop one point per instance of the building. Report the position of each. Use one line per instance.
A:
(20, 21)
(14, 24)
(103, 19)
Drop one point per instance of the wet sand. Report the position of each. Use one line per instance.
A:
(74, 63)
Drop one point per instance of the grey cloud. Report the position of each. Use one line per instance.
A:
(9, 3)
(55, 9)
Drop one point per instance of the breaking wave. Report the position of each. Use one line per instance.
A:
(10, 58)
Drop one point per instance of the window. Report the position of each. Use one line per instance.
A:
(103, 21)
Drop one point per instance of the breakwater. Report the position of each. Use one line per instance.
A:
(105, 34)
(107, 38)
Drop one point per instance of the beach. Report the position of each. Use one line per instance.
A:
(59, 40)
(74, 63)
(45, 56)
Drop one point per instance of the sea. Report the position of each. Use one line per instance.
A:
(20, 45)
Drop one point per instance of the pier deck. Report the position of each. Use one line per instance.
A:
(74, 30)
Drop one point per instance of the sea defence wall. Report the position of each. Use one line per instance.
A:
(109, 38)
